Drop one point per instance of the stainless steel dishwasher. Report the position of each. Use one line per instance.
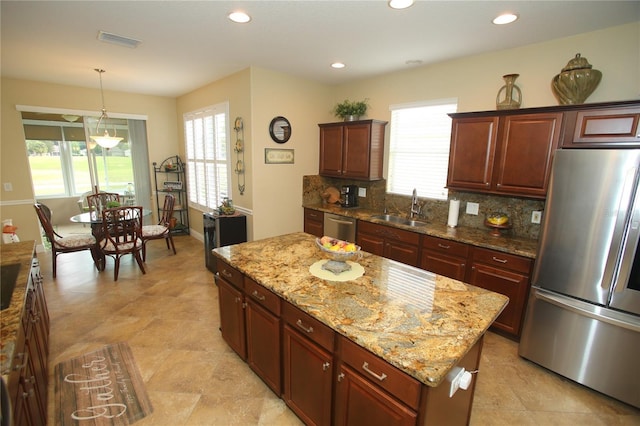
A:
(340, 227)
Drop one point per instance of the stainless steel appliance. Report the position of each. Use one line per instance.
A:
(583, 316)
(349, 196)
(222, 231)
(340, 227)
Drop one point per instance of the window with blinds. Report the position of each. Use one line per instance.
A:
(207, 156)
(420, 135)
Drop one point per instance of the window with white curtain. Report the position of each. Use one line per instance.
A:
(420, 134)
(206, 135)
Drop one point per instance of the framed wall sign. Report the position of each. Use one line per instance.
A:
(278, 156)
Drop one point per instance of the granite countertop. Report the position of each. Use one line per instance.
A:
(418, 321)
(478, 237)
(21, 252)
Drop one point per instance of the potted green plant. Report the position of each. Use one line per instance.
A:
(350, 110)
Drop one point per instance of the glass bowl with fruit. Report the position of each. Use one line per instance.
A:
(338, 252)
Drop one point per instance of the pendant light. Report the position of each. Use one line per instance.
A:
(106, 141)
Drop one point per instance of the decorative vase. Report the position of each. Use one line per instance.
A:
(510, 89)
(576, 81)
(351, 118)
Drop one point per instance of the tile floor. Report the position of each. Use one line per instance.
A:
(169, 317)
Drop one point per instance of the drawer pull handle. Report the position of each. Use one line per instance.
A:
(227, 274)
(499, 260)
(257, 295)
(444, 246)
(301, 325)
(380, 377)
(325, 366)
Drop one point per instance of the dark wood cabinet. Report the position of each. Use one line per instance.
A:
(444, 257)
(503, 154)
(505, 274)
(389, 242)
(232, 321)
(307, 366)
(263, 334)
(314, 222)
(603, 127)
(352, 149)
(29, 376)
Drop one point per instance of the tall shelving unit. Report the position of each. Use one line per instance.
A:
(170, 178)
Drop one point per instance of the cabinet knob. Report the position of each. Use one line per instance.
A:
(325, 366)
(340, 377)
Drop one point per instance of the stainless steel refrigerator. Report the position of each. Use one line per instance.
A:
(583, 315)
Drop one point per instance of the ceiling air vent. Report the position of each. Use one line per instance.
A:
(119, 40)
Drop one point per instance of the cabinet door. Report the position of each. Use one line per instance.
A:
(263, 344)
(472, 152)
(232, 322)
(308, 373)
(360, 402)
(512, 284)
(441, 264)
(604, 127)
(356, 146)
(528, 144)
(314, 222)
(371, 243)
(331, 153)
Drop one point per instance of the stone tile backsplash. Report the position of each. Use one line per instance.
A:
(436, 211)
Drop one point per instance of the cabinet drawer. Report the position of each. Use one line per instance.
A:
(230, 274)
(262, 296)
(502, 260)
(389, 232)
(452, 248)
(313, 215)
(308, 326)
(380, 372)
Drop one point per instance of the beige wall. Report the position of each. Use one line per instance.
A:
(14, 166)
(274, 192)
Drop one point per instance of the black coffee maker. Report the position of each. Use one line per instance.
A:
(349, 196)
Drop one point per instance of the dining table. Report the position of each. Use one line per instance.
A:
(95, 220)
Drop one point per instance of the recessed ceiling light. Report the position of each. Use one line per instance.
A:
(400, 4)
(338, 65)
(505, 18)
(413, 62)
(239, 17)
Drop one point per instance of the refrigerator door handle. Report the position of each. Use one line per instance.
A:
(619, 231)
(585, 309)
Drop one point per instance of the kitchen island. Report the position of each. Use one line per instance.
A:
(424, 325)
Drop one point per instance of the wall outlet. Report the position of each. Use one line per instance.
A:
(8, 186)
(472, 208)
(362, 192)
(536, 216)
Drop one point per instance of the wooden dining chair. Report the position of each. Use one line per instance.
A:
(98, 202)
(122, 227)
(60, 244)
(162, 230)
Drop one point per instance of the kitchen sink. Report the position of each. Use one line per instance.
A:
(8, 276)
(399, 220)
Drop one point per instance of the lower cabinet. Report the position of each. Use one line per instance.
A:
(308, 366)
(29, 377)
(389, 242)
(505, 274)
(314, 222)
(444, 257)
(372, 392)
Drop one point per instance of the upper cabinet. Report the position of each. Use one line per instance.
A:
(508, 154)
(352, 149)
(603, 127)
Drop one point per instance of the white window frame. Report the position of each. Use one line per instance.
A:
(419, 148)
(207, 135)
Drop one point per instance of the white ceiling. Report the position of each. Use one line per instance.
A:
(187, 44)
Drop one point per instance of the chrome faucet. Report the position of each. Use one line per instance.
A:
(415, 207)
